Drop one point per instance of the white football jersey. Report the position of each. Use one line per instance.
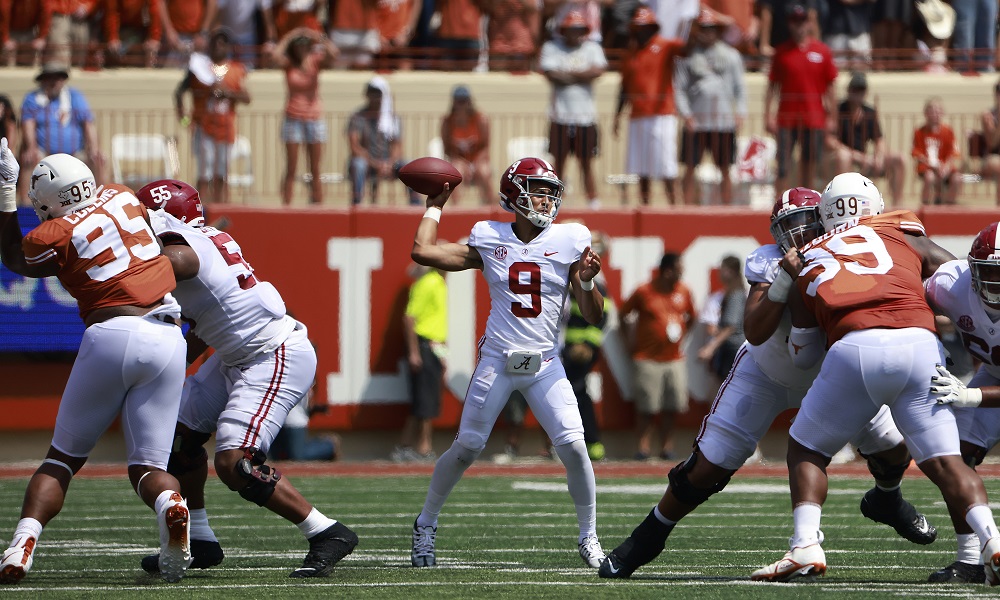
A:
(528, 282)
(949, 292)
(232, 311)
(772, 356)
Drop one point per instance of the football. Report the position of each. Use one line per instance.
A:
(428, 175)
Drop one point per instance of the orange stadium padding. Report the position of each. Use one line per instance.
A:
(343, 274)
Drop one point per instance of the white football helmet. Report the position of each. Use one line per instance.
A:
(61, 184)
(849, 196)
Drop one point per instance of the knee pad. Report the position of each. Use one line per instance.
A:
(883, 470)
(684, 491)
(472, 444)
(261, 479)
(188, 452)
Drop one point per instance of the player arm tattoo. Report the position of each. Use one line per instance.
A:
(12, 251)
(932, 256)
(183, 258)
(762, 316)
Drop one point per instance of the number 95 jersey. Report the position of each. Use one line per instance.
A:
(864, 275)
(233, 311)
(528, 281)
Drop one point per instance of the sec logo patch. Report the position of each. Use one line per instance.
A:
(965, 323)
(500, 252)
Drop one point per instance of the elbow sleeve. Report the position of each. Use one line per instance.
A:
(806, 346)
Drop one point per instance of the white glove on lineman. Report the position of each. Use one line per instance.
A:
(948, 389)
(9, 170)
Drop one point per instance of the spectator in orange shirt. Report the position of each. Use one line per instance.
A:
(465, 133)
(292, 14)
(185, 26)
(131, 22)
(459, 33)
(70, 30)
(664, 312)
(513, 32)
(354, 30)
(216, 88)
(647, 86)
(301, 54)
(937, 157)
(24, 22)
(397, 21)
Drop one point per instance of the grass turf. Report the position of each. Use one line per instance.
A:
(508, 537)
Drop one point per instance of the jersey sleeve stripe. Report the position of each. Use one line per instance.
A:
(44, 256)
(911, 225)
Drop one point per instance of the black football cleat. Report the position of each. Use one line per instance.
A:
(204, 553)
(891, 509)
(959, 572)
(643, 546)
(325, 550)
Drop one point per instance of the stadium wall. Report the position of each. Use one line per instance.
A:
(343, 273)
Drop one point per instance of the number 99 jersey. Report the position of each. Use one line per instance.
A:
(528, 282)
(864, 275)
(106, 252)
(233, 312)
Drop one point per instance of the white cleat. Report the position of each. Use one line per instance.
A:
(17, 560)
(991, 560)
(591, 552)
(808, 562)
(422, 551)
(175, 536)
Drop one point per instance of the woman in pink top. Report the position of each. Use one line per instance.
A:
(300, 54)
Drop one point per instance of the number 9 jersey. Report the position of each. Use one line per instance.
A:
(528, 281)
(864, 275)
(106, 253)
(233, 312)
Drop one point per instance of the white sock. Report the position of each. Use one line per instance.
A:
(582, 486)
(659, 517)
(163, 501)
(969, 549)
(315, 522)
(200, 529)
(886, 488)
(26, 528)
(448, 472)
(980, 518)
(806, 517)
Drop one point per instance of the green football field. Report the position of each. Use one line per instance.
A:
(499, 537)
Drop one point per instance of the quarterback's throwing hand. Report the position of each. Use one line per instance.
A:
(440, 200)
(9, 168)
(948, 389)
(590, 264)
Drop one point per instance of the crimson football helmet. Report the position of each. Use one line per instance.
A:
(519, 184)
(176, 197)
(984, 264)
(795, 219)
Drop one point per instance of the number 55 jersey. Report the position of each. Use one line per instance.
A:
(864, 275)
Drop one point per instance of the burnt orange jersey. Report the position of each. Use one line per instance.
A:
(864, 275)
(106, 252)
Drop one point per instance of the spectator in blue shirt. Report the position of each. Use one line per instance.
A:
(56, 118)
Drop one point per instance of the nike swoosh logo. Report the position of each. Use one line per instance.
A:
(613, 568)
(551, 253)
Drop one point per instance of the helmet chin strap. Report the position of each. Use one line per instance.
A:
(538, 219)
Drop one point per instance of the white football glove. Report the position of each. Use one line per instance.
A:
(9, 170)
(948, 389)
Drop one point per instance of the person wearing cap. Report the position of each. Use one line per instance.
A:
(712, 101)
(938, 159)
(465, 134)
(215, 92)
(301, 54)
(799, 103)
(56, 119)
(571, 63)
(858, 126)
(647, 88)
(375, 137)
(774, 21)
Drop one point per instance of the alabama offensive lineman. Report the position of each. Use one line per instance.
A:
(263, 365)
(98, 242)
(529, 265)
(763, 383)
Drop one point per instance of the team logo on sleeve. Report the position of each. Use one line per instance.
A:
(500, 252)
(965, 323)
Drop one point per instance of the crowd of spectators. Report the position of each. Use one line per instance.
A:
(452, 34)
